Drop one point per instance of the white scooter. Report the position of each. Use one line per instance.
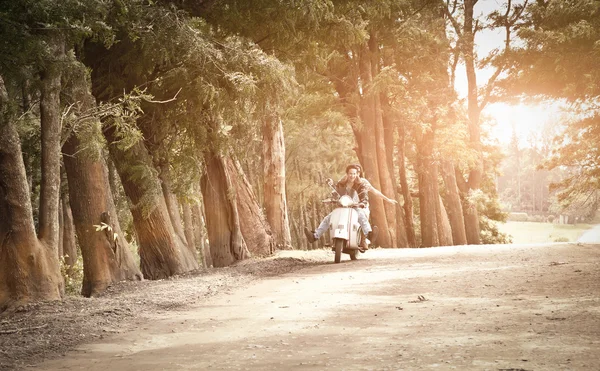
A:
(344, 229)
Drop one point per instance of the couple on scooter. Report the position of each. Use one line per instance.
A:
(353, 181)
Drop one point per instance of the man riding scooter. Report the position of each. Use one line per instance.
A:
(361, 186)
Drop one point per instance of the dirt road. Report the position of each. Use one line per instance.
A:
(466, 308)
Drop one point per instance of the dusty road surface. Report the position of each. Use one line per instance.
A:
(506, 307)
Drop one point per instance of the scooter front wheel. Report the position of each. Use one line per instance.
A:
(338, 246)
(353, 254)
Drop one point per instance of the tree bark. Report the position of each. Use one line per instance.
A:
(383, 162)
(388, 134)
(274, 190)
(69, 240)
(454, 208)
(444, 228)
(227, 244)
(188, 226)
(474, 112)
(199, 236)
(50, 119)
(427, 206)
(162, 252)
(29, 269)
(305, 222)
(106, 255)
(253, 224)
(428, 197)
(171, 200)
(367, 137)
(406, 196)
(60, 230)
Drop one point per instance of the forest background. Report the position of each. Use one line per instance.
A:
(146, 139)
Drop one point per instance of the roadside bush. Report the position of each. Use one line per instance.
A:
(561, 239)
(537, 219)
(518, 217)
(490, 234)
(73, 276)
(550, 218)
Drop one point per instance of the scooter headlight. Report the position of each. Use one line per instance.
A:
(346, 201)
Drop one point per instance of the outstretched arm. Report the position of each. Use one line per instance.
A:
(379, 194)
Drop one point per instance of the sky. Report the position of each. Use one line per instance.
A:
(523, 118)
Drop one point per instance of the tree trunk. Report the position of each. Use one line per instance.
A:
(428, 201)
(305, 222)
(444, 228)
(227, 244)
(383, 162)
(253, 224)
(428, 197)
(171, 200)
(199, 236)
(274, 173)
(106, 255)
(50, 119)
(162, 252)
(302, 220)
(455, 211)
(317, 219)
(119, 198)
(367, 137)
(388, 134)
(69, 241)
(474, 112)
(188, 226)
(408, 203)
(60, 230)
(29, 269)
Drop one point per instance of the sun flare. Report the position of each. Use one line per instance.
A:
(526, 120)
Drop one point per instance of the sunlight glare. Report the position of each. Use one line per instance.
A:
(522, 118)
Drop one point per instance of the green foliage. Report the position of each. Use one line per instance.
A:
(561, 50)
(578, 151)
(559, 60)
(490, 212)
(518, 217)
(25, 25)
(72, 275)
(491, 234)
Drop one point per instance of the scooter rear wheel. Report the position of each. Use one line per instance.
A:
(338, 245)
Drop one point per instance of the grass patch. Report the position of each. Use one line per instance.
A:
(533, 232)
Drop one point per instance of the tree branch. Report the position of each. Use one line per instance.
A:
(454, 22)
(509, 22)
(164, 101)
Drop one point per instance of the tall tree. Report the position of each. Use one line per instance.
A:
(274, 175)
(163, 253)
(29, 264)
(227, 244)
(478, 98)
(107, 257)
